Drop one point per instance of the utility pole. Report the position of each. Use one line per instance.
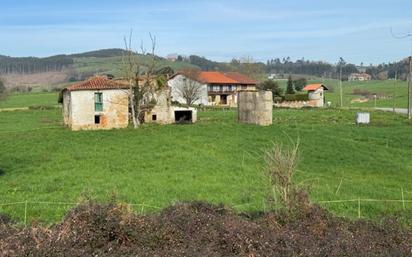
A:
(340, 86)
(410, 88)
(394, 91)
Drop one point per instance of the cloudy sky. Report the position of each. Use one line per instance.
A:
(359, 31)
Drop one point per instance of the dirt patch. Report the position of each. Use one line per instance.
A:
(201, 229)
(35, 79)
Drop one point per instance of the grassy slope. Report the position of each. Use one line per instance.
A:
(216, 160)
(113, 65)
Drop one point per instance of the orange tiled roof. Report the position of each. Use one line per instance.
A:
(216, 77)
(241, 78)
(97, 83)
(313, 87)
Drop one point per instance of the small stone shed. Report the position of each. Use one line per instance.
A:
(164, 113)
(98, 103)
(316, 94)
(255, 107)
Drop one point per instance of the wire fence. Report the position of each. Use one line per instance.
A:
(142, 207)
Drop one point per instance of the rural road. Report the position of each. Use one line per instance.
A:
(397, 110)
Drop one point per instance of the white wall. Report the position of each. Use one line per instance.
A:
(115, 112)
(318, 96)
(177, 81)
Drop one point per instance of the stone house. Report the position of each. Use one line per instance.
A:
(103, 103)
(217, 88)
(98, 103)
(316, 94)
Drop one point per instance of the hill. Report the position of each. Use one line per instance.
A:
(75, 67)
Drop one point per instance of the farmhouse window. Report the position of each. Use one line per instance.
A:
(97, 119)
(98, 102)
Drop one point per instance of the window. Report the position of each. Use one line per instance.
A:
(244, 87)
(96, 119)
(98, 102)
(154, 117)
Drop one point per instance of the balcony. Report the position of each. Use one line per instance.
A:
(221, 92)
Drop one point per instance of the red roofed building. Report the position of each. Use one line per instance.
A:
(215, 88)
(97, 103)
(316, 94)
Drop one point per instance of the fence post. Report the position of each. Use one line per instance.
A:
(142, 209)
(359, 213)
(243, 159)
(25, 213)
(403, 199)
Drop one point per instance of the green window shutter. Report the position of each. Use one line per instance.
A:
(98, 102)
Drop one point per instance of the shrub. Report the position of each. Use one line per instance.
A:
(280, 169)
(296, 97)
(299, 84)
(271, 86)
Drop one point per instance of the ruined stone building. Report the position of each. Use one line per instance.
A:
(217, 88)
(98, 103)
(103, 103)
(164, 113)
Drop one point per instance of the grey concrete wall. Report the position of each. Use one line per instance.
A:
(255, 107)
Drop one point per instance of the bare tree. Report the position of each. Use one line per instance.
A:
(190, 89)
(2, 90)
(250, 67)
(142, 85)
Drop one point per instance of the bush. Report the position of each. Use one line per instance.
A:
(296, 97)
(273, 86)
(299, 84)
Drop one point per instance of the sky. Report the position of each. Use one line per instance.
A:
(359, 31)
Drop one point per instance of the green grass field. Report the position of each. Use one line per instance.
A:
(388, 88)
(25, 100)
(217, 160)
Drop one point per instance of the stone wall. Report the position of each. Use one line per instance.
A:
(255, 107)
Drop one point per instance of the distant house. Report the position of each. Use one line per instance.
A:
(316, 94)
(217, 88)
(98, 103)
(359, 77)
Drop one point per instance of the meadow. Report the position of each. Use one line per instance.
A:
(216, 159)
(394, 92)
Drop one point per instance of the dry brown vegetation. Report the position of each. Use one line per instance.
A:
(201, 229)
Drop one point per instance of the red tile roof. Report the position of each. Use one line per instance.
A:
(313, 87)
(97, 83)
(241, 78)
(216, 77)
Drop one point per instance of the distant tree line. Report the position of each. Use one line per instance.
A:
(28, 65)
(383, 71)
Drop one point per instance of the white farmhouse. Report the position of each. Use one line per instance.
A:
(98, 103)
(216, 88)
